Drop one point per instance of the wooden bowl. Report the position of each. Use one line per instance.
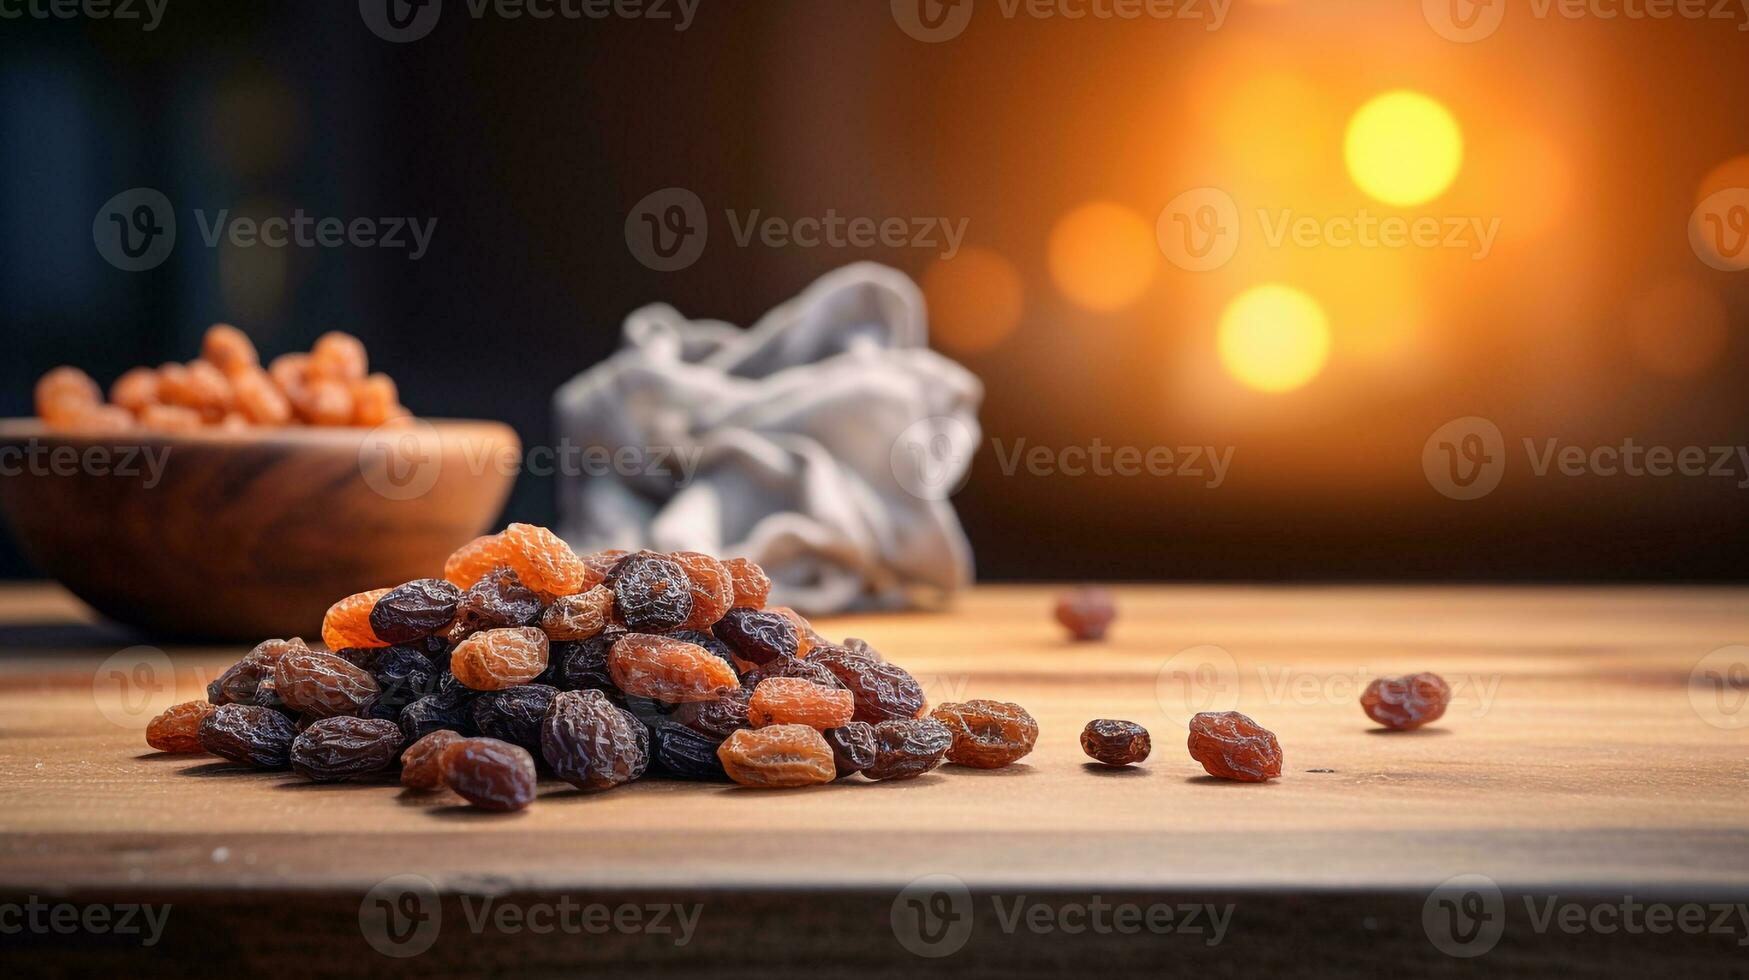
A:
(244, 535)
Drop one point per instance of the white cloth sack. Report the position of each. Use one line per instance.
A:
(821, 443)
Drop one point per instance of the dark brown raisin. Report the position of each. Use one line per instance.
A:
(853, 747)
(498, 600)
(582, 664)
(908, 748)
(322, 685)
(247, 733)
(651, 593)
(987, 734)
(591, 743)
(716, 719)
(338, 748)
(1114, 742)
(490, 774)
(434, 712)
(883, 691)
(685, 753)
(415, 610)
(238, 683)
(1232, 746)
(403, 675)
(514, 714)
(1086, 613)
(1406, 702)
(808, 670)
(757, 636)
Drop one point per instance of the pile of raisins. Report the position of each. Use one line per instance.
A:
(526, 660)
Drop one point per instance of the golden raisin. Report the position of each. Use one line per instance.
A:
(670, 670)
(339, 357)
(796, 701)
(752, 586)
(135, 389)
(987, 734)
(467, 564)
(1232, 746)
(778, 756)
(543, 561)
(713, 588)
(1406, 702)
(347, 623)
(177, 729)
(259, 399)
(228, 349)
(492, 660)
(65, 393)
(578, 617)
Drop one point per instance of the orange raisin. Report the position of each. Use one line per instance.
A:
(778, 756)
(543, 561)
(1406, 702)
(228, 349)
(667, 669)
(1086, 613)
(325, 402)
(492, 660)
(578, 617)
(339, 357)
(469, 563)
(169, 418)
(420, 762)
(135, 389)
(795, 701)
(1232, 746)
(178, 728)
(65, 393)
(752, 586)
(375, 400)
(987, 734)
(347, 623)
(259, 399)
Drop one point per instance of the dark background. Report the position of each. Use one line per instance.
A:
(529, 141)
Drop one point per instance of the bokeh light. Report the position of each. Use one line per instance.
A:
(1103, 256)
(1403, 148)
(975, 300)
(1678, 328)
(1274, 338)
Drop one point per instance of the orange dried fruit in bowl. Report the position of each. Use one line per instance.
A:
(135, 389)
(347, 623)
(259, 399)
(229, 349)
(339, 356)
(64, 394)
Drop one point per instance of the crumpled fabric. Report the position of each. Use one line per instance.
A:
(821, 443)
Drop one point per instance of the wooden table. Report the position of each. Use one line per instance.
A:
(1584, 761)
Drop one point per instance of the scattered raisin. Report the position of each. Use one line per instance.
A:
(667, 669)
(777, 756)
(592, 743)
(793, 701)
(1115, 743)
(490, 774)
(500, 658)
(883, 691)
(578, 617)
(651, 592)
(177, 729)
(1406, 702)
(1232, 746)
(247, 733)
(543, 560)
(853, 747)
(713, 589)
(347, 623)
(420, 763)
(415, 610)
(336, 748)
(1086, 613)
(987, 734)
(322, 685)
(514, 714)
(752, 586)
(908, 748)
(757, 636)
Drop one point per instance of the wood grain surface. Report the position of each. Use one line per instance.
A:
(1583, 751)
